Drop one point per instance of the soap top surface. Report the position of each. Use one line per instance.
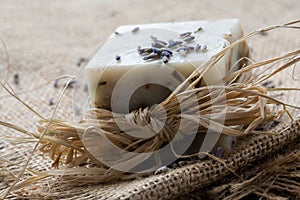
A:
(214, 35)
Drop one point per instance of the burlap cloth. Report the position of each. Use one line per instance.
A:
(45, 39)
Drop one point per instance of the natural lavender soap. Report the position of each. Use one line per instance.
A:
(121, 79)
(140, 65)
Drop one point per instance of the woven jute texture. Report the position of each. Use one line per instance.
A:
(45, 41)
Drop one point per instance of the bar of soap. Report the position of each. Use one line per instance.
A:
(140, 65)
(121, 80)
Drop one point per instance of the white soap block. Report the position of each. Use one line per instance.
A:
(121, 79)
(150, 81)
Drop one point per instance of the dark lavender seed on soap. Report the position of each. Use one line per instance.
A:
(182, 50)
(189, 38)
(165, 59)
(189, 48)
(135, 29)
(197, 47)
(166, 54)
(185, 49)
(157, 44)
(161, 42)
(167, 50)
(185, 34)
(145, 51)
(156, 50)
(118, 58)
(199, 29)
(153, 37)
(151, 56)
(173, 43)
